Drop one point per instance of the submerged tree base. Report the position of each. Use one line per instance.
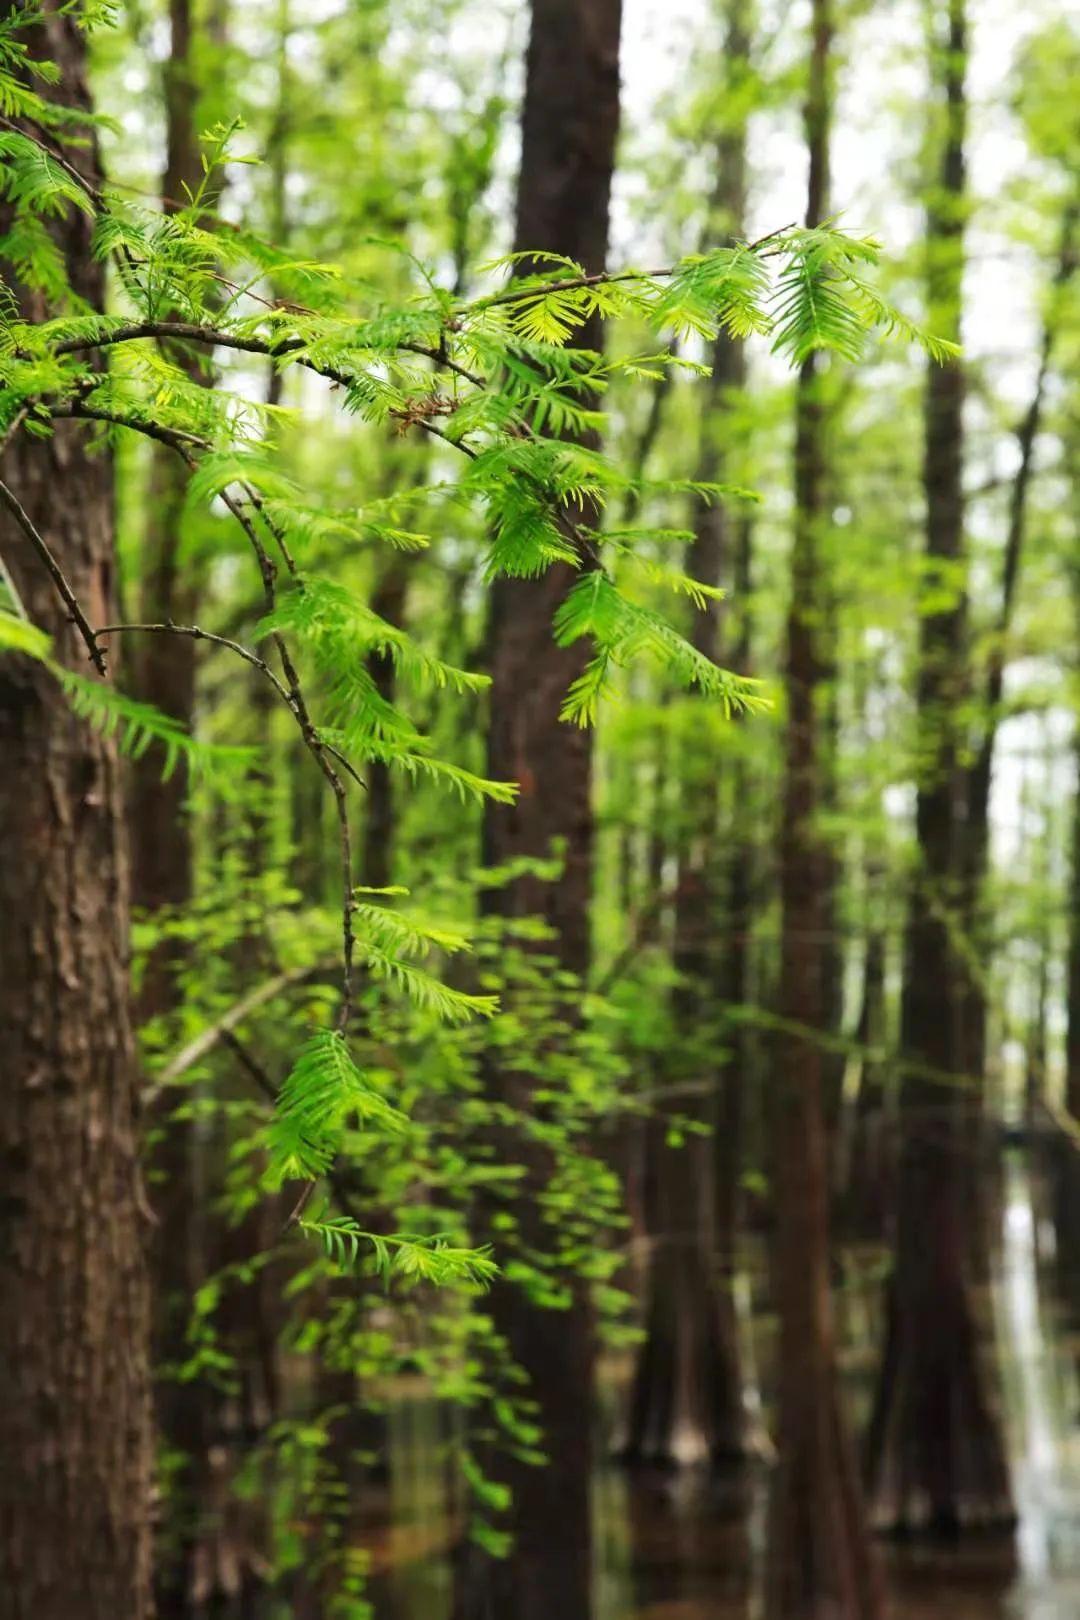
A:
(936, 1458)
(822, 1563)
(686, 1405)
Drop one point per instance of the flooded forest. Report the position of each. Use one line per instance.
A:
(539, 810)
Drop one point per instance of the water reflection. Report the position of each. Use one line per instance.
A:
(677, 1546)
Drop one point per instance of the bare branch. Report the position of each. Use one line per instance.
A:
(204, 1043)
(197, 633)
(56, 574)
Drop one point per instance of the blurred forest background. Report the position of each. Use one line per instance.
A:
(775, 1137)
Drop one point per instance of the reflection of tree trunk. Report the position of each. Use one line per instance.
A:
(75, 1444)
(820, 1559)
(569, 123)
(936, 1452)
(687, 1396)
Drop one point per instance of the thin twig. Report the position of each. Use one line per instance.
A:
(317, 748)
(252, 1067)
(13, 426)
(56, 574)
(291, 689)
(174, 438)
(204, 1043)
(197, 633)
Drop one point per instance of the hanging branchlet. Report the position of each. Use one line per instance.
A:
(496, 380)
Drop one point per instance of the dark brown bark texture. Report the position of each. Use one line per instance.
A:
(820, 1558)
(74, 1407)
(164, 666)
(936, 1452)
(569, 127)
(687, 1398)
(163, 673)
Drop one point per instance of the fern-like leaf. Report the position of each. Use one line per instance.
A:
(323, 1092)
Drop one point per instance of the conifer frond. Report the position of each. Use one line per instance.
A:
(138, 727)
(34, 255)
(411, 1257)
(726, 290)
(17, 634)
(445, 773)
(824, 301)
(216, 471)
(309, 528)
(672, 579)
(402, 931)
(34, 182)
(812, 305)
(422, 988)
(341, 628)
(622, 631)
(386, 938)
(879, 312)
(324, 1090)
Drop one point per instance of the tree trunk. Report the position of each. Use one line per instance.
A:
(686, 1400)
(357, 1429)
(569, 125)
(820, 1558)
(388, 601)
(980, 771)
(863, 1167)
(1072, 991)
(74, 1410)
(936, 1453)
(161, 881)
(1066, 1161)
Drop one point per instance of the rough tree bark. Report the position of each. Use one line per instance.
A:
(820, 1558)
(569, 126)
(74, 1381)
(936, 1453)
(686, 1399)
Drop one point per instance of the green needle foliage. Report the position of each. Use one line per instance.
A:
(323, 1091)
(494, 381)
(411, 1259)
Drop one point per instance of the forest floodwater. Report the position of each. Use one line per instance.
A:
(674, 1545)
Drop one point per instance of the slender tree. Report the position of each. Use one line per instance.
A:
(569, 125)
(687, 1393)
(979, 773)
(820, 1559)
(936, 1452)
(74, 1410)
(163, 673)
